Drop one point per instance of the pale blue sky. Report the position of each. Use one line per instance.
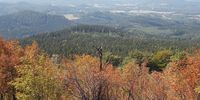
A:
(92, 1)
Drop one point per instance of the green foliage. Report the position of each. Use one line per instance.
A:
(113, 59)
(37, 80)
(82, 39)
(178, 56)
(27, 23)
(137, 56)
(160, 60)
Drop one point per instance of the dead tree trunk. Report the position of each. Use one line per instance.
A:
(100, 54)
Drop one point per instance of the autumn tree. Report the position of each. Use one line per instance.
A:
(10, 54)
(83, 79)
(140, 85)
(183, 77)
(38, 78)
(30, 74)
(160, 60)
(112, 59)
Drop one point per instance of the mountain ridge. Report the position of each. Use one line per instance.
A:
(26, 23)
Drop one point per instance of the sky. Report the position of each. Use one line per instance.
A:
(93, 1)
(66, 1)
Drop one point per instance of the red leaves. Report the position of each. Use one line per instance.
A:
(10, 54)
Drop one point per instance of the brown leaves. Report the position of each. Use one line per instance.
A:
(32, 50)
(85, 79)
(177, 82)
(183, 77)
(82, 79)
(10, 54)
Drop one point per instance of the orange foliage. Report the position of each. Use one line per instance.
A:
(10, 54)
(133, 82)
(183, 78)
(85, 79)
(142, 85)
(82, 78)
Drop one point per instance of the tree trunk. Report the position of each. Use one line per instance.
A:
(99, 92)
(14, 97)
(1, 96)
(130, 96)
(101, 63)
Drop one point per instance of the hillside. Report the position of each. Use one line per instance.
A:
(27, 23)
(83, 40)
(156, 23)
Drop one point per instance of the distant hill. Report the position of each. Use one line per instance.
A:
(26, 23)
(164, 24)
(165, 5)
(10, 8)
(84, 38)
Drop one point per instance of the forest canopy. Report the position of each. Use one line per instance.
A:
(28, 73)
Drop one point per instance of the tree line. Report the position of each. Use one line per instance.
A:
(81, 39)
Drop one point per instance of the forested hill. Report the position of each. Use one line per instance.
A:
(83, 39)
(26, 23)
